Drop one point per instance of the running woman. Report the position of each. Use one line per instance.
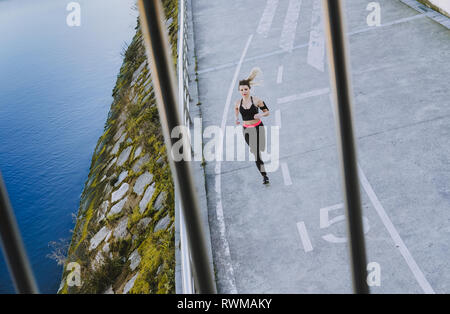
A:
(253, 127)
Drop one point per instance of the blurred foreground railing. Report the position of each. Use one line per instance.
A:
(335, 30)
(13, 249)
(174, 112)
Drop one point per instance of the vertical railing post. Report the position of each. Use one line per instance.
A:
(186, 275)
(163, 77)
(13, 248)
(340, 80)
(186, 271)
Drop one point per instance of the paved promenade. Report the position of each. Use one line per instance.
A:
(289, 236)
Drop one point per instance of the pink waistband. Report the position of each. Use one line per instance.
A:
(252, 125)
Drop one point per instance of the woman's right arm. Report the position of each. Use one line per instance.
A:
(236, 111)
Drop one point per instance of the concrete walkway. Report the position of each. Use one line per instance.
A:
(289, 237)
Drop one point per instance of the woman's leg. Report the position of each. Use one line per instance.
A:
(255, 139)
(261, 144)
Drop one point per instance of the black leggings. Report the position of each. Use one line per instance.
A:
(255, 137)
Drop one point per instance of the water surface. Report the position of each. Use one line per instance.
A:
(55, 93)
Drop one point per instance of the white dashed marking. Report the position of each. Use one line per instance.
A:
(286, 175)
(280, 74)
(278, 118)
(266, 19)
(316, 46)
(290, 25)
(307, 246)
(315, 92)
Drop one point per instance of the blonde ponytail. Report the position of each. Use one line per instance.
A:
(253, 74)
(249, 81)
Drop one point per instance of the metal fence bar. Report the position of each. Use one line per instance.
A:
(340, 80)
(160, 60)
(183, 97)
(186, 270)
(13, 248)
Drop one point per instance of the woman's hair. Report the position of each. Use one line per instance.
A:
(249, 81)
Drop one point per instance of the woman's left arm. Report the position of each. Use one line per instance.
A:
(262, 105)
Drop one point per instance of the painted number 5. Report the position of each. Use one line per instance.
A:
(326, 222)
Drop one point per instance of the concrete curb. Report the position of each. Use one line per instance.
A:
(429, 12)
(437, 6)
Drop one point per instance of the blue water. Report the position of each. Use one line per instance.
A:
(55, 93)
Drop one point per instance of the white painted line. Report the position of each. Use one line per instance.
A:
(281, 51)
(290, 25)
(286, 175)
(280, 74)
(226, 256)
(316, 46)
(307, 246)
(418, 274)
(278, 118)
(420, 277)
(315, 92)
(406, 19)
(266, 19)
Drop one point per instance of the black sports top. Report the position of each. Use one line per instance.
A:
(248, 114)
